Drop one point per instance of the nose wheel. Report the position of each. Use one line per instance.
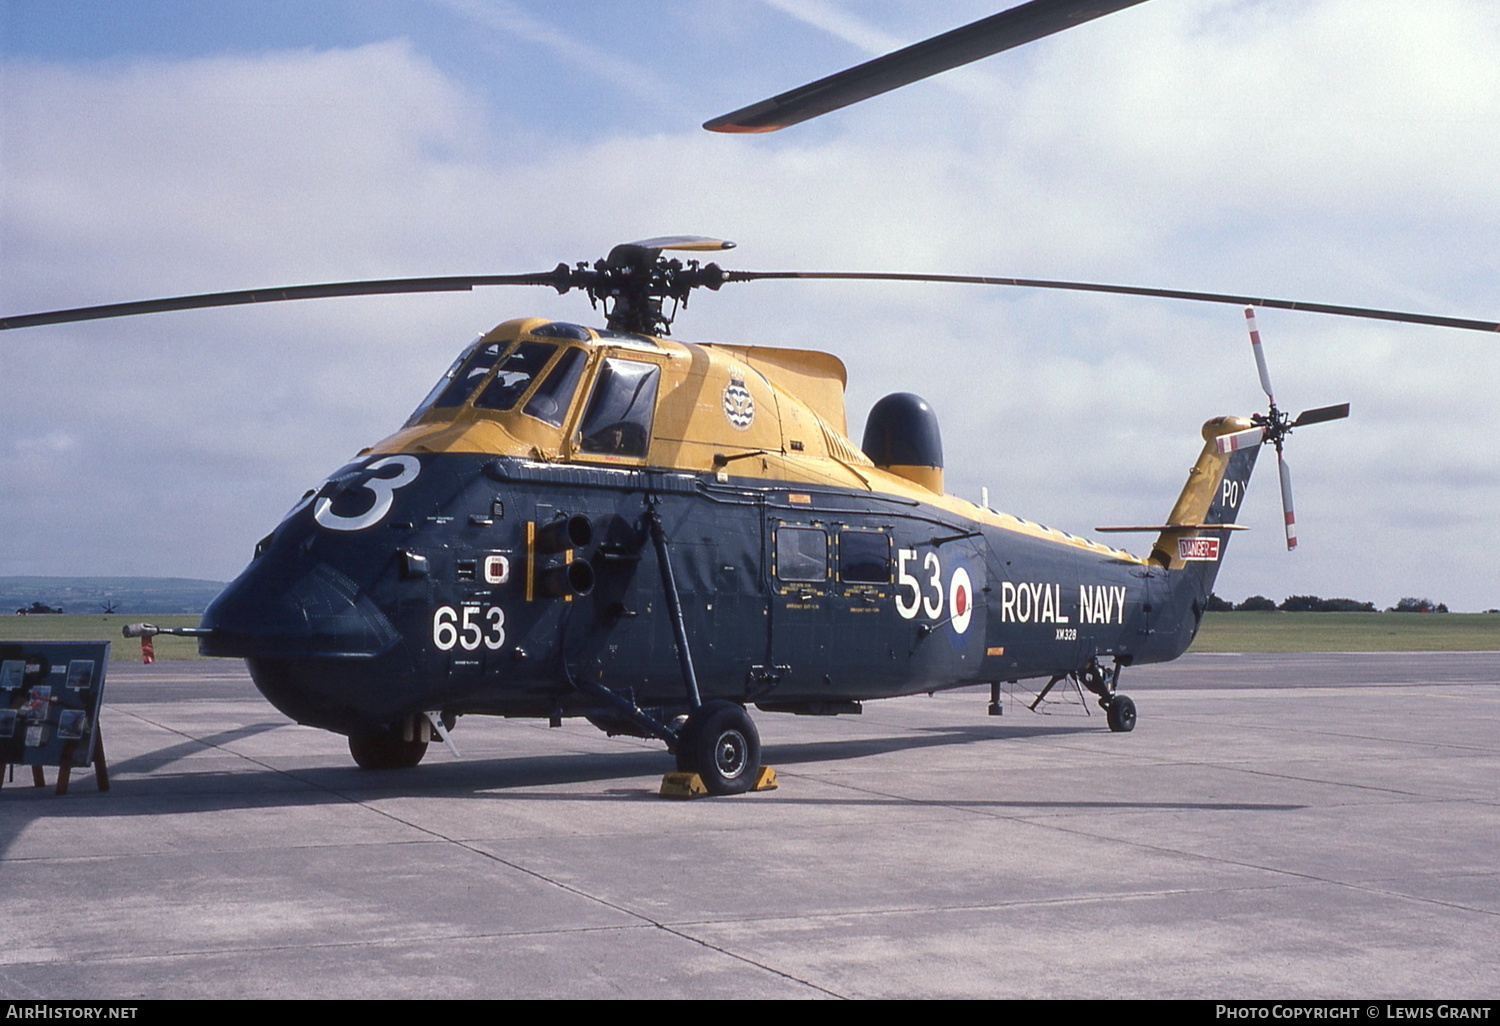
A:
(719, 742)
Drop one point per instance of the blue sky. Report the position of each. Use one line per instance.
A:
(1335, 150)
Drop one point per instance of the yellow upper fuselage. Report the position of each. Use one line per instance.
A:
(742, 411)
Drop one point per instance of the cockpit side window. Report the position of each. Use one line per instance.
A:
(468, 376)
(618, 419)
(514, 375)
(550, 401)
(442, 383)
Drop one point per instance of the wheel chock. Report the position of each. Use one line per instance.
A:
(690, 785)
(682, 785)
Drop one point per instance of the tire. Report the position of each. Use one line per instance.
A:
(719, 742)
(382, 750)
(1121, 714)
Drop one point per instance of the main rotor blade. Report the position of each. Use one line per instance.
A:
(1321, 414)
(383, 287)
(691, 243)
(1023, 24)
(1129, 290)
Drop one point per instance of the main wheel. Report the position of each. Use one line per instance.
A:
(382, 750)
(1121, 714)
(719, 742)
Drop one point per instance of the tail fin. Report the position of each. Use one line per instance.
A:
(1213, 493)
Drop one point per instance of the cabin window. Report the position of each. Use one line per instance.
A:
(554, 395)
(801, 554)
(864, 557)
(515, 375)
(618, 419)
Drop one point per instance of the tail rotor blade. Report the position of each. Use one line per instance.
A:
(1321, 414)
(1260, 359)
(1240, 439)
(1286, 502)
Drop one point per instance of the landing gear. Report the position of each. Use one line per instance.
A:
(719, 742)
(382, 750)
(1120, 713)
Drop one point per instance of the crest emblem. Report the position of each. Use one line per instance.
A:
(739, 407)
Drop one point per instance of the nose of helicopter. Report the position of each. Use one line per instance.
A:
(316, 611)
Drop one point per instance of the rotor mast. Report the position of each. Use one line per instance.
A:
(635, 281)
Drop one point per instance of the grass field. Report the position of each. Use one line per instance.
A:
(1349, 632)
(101, 627)
(1221, 632)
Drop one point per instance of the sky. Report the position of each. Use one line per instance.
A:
(1340, 151)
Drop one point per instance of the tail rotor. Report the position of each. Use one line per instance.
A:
(1273, 427)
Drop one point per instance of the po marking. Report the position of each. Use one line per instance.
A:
(1232, 493)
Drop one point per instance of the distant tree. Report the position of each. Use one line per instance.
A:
(1218, 605)
(1300, 604)
(1256, 604)
(1418, 605)
(1344, 605)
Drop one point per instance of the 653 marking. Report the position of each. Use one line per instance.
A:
(474, 626)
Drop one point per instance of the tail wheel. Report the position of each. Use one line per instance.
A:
(382, 750)
(719, 742)
(1121, 714)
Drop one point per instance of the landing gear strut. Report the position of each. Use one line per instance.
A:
(718, 741)
(1119, 711)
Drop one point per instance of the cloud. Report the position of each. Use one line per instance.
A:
(498, 17)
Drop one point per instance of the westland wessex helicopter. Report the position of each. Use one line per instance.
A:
(656, 535)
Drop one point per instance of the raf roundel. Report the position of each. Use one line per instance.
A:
(960, 600)
(739, 406)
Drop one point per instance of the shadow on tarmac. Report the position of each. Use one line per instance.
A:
(145, 781)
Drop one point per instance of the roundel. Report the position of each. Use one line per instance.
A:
(960, 600)
(739, 406)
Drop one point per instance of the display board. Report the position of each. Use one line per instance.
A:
(50, 692)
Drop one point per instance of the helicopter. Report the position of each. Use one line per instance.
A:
(656, 536)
